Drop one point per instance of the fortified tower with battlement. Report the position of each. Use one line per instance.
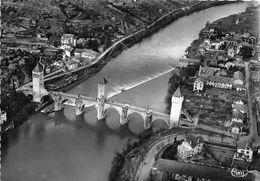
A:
(176, 107)
(101, 98)
(38, 83)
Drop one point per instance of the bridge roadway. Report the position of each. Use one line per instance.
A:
(102, 105)
(73, 100)
(89, 101)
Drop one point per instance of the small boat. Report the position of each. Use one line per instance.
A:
(43, 105)
(48, 109)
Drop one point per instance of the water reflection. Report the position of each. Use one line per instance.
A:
(61, 146)
(101, 127)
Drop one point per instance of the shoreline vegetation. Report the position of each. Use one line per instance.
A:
(128, 42)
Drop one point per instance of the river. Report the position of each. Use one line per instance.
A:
(61, 147)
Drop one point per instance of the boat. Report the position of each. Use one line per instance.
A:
(48, 109)
(43, 105)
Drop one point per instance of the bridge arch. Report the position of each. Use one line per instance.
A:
(46, 98)
(159, 124)
(30, 96)
(136, 122)
(185, 115)
(64, 100)
(90, 115)
(112, 118)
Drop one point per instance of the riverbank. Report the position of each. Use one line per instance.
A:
(240, 23)
(16, 68)
(128, 41)
(98, 24)
(135, 162)
(18, 108)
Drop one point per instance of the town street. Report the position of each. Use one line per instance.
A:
(253, 136)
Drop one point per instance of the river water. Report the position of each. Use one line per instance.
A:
(61, 147)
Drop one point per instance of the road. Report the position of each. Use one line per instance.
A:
(253, 136)
(150, 159)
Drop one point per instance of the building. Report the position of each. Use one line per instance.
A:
(235, 129)
(58, 64)
(220, 82)
(3, 117)
(242, 158)
(229, 64)
(237, 117)
(239, 106)
(198, 85)
(72, 65)
(255, 76)
(215, 77)
(68, 52)
(191, 146)
(206, 71)
(85, 53)
(238, 78)
(68, 41)
(239, 87)
(176, 107)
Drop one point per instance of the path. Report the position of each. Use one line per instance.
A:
(253, 136)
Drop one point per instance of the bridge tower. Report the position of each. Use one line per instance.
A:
(101, 98)
(177, 100)
(38, 83)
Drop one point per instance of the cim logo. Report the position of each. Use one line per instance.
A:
(238, 173)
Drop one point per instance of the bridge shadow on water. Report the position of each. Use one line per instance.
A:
(100, 127)
(87, 124)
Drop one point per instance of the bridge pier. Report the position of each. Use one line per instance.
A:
(79, 108)
(58, 101)
(101, 107)
(101, 99)
(124, 114)
(148, 118)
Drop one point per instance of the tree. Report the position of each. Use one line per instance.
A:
(246, 52)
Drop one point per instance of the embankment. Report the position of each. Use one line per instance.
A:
(139, 35)
(18, 107)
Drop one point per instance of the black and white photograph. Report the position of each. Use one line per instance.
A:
(130, 90)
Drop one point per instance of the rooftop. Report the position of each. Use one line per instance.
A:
(197, 171)
(194, 141)
(38, 68)
(220, 79)
(177, 93)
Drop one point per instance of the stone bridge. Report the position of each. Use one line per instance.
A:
(102, 104)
